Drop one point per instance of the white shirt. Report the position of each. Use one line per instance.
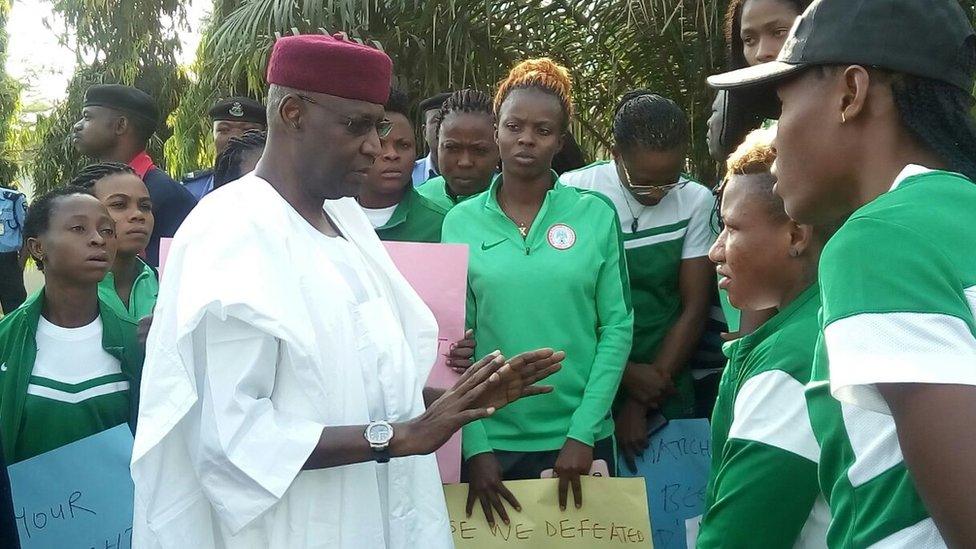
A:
(690, 205)
(72, 356)
(278, 332)
(379, 217)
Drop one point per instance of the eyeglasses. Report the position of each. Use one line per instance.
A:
(649, 190)
(357, 126)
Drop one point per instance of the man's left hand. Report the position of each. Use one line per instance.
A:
(517, 378)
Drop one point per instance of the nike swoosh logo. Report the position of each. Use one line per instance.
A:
(485, 246)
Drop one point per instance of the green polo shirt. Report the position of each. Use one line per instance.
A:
(436, 191)
(666, 234)
(142, 299)
(38, 414)
(563, 286)
(762, 488)
(898, 286)
(415, 219)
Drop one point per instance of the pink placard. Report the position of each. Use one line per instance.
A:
(439, 274)
(164, 244)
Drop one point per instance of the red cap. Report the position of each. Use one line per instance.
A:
(333, 66)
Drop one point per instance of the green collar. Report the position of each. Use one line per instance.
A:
(403, 209)
(457, 198)
(774, 324)
(18, 334)
(144, 272)
(491, 203)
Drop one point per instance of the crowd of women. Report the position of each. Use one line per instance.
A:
(846, 267)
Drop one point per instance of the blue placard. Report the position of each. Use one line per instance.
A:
(675, 468)
(77, 496)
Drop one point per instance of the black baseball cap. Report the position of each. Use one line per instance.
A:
(123, 98)
(927, 38)
(239, 109)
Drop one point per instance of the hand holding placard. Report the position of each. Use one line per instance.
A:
(614, 514)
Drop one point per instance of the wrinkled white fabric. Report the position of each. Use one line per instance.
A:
(258, 342)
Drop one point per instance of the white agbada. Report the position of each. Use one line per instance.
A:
(265, 332)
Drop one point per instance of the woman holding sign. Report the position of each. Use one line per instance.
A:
(69, 361)
(763, 448)
(546, 270)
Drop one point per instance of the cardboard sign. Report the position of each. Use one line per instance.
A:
(675, 467)
(439, 274)
(164, 246)
(614, 514)
(77, 496)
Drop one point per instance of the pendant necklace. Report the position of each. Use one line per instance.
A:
(634, 224)
(523, 228)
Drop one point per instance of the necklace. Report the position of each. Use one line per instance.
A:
(634, 223)
(522, 226)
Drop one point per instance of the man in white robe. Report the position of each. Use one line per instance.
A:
(283, 332)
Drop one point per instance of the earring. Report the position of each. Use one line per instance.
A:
(794, 252)
(843, 117)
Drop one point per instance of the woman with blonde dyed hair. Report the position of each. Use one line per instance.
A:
(762, 490)
(546, 270)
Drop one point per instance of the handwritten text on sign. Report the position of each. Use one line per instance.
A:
(77, 496)
(614, 514)
(675, 467)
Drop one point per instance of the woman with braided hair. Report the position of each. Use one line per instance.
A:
(130, 285)
(546, 270)
(69, 361)
(467, 155)
(239, 157)
(876, 133)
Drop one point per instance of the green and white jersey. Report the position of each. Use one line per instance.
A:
(76, 389)
(677, 228)
(898, 285)
(60, 385)
(762, 488)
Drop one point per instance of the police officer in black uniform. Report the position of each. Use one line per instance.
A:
(231, 118)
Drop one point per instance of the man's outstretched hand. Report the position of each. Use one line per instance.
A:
(517, 378)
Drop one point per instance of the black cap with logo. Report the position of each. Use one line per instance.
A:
(927, 38)
(239, 109)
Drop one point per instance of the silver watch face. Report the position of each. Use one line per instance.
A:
(379, 433)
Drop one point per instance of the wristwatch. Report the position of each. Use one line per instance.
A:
(379, 434)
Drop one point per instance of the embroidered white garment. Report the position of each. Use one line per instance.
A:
(265, 332)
